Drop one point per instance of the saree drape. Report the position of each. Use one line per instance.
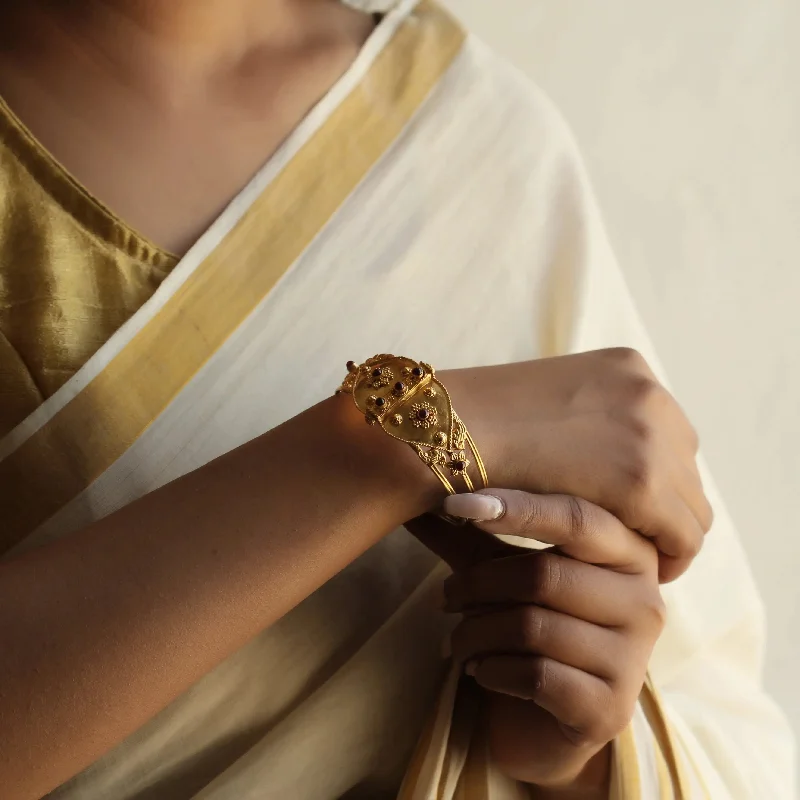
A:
(432, 185)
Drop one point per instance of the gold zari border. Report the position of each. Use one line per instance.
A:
(87, 435)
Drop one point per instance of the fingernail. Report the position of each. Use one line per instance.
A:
(471, 667)
(480, 507)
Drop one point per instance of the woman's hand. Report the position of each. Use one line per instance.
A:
(560, 637)
(596, 425)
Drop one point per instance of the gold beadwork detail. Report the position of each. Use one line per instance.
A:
(428, 419)
(384, 379)
(461, 460)
(459, 433)
(436, 433)
(431, 457)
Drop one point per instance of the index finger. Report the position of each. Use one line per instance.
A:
(577, 527)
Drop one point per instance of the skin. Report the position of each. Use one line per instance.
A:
(192, 97)
(559, 638)
(189, 96)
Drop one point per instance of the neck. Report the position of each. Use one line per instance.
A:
(196, 32)
(163, 47)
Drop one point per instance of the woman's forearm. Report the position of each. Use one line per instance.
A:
(100, 631)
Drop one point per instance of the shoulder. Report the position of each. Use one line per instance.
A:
(502, 106)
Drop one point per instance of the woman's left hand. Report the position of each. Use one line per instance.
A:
(561, 638)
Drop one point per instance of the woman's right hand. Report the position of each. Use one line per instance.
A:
(595, 425)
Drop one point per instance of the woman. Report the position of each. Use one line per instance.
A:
(185, 615)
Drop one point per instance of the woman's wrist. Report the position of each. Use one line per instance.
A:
(390, 470)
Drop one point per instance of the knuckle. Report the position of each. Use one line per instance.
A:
(614, 715)
(581, 737)
(547, 577)
(529, 512)
(639, 477)
(616, 722)
(691, 546)
(654, 610)
(540, 676)
(532, 628)
(642, 431)
(635, 495)
(642, 390)
(578, 515)
(628, 357)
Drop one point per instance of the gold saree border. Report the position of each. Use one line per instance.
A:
(625, 780)
(85, 437)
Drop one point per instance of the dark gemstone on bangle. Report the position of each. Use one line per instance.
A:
(417, 372)
(399, 387)
(351, 366)
(380, 402)
(459, 466)
(422, 413)
(376, 373)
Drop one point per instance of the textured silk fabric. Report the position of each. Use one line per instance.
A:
(70, 273)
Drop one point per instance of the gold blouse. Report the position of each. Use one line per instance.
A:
(71, 273)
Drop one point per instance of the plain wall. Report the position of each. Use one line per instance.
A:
(688, 114)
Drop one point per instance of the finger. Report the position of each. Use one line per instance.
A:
(553, 581)
(584, 704)
(666, 503)
(579, 528)
(529, 630)
(460, 547)
(691, 517)
(680, 541)
(689, 486)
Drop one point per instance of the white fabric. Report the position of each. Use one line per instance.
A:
(688, 116)
(645, 753)
(371, 6)
(221, 227)
(479, 225)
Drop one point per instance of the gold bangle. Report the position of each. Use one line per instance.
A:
(408, 402)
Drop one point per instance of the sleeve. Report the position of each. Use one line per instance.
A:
(705, 724)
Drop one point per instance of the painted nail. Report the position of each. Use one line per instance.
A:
(480, 507)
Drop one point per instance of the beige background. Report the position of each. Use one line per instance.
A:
(688, 114)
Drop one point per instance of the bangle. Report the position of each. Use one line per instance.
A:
(406, 400)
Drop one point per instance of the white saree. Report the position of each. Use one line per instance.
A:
(434, 184)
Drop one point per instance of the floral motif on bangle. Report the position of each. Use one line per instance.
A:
(348, 384)
(380, 377)
(430, 392)
(458, 465)
(431, 457)
(459, 433)
(423, 415)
